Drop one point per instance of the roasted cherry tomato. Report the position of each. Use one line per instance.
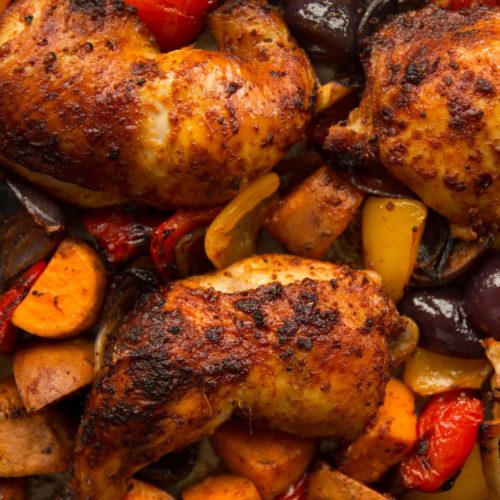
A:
(297, 491)
(167, 235)
(10, 300)
(446, 432)
(123, 234)
(173, 23)
(467, 4)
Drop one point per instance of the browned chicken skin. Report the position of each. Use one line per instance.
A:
(307, 356)
(431, 111)
(90, 109)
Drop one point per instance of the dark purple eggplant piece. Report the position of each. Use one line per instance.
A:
(44, 210)
(482, 296)
(443, 323)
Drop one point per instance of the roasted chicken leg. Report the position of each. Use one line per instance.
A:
(90, 109)
(431, 111)
(305, 353)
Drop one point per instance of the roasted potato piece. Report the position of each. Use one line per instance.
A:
(46, 371)
(489, 440)
(223, 487)
(391, 231)
(428, 373)
(12, 489)
(138, 490)
(272, 460)
(310, 218)
(328, 484)
(469, 485)
(37, 443)
(388, 440)
(66, 298)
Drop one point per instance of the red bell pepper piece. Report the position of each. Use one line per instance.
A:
(123, 234)
(166, 236)
(173, 23)
(297, 491)
(446, 432)
(10, 300)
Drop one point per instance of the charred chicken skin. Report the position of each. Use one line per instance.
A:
(305, 352)
(431, 111)
(90, 109)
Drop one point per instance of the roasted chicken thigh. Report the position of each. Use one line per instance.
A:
(90, 109)
(430, 112)
(305, 352)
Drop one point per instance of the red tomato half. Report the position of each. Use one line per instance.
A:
(173, 23)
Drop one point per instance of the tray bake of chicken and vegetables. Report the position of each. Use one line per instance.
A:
(249, 250)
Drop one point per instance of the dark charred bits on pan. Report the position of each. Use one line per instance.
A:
(443, 258)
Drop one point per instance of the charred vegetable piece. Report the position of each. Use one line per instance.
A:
(65, 300)
(447, 430)
(172, 467)
(45, 211)
(327, 29)
(328, 484)
(37, 443)
(168, 234)
(46, 371)
(492, 348)
(122, 233)
(12, 489)
(428, 373)
(443, 324)
(390, 437)
(392, 229)
(190, 256)
(470, 483)
(223, 487)
(272, 460)
(122, 295)
(173, 23)
(139, 490)
(22, 244)
(297, 491)
(310, 218)
(10, 300)
(232, 235)
(482, 296)
(489, 439)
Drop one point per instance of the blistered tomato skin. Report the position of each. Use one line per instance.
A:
(443, 323)
(482, 296)
(446, 433)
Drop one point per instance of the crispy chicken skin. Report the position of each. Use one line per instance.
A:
(431, 111)
(307, 356)
(91, 109)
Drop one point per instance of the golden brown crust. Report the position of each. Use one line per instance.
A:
(308, 358)
(431, 111)
(86, 98)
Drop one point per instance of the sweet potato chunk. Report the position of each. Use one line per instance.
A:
(310, 218)
(223, 487)
(46, 371)
(139, 490)
(12, 489)
(66, 299)
(37, 443)
(272, 460)
(392, 435)
(329, 484)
